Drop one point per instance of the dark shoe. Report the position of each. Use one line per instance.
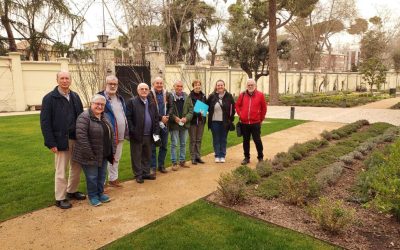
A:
(260, 159)
(174, 167)
(182, 164)
(115, 183)
(162, 170)
(200, 161)
(245, 161)
(139, 180)
(76, 196)
(64, 204)
(194, 162)
(149, 177)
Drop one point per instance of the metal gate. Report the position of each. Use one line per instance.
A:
(130, 73)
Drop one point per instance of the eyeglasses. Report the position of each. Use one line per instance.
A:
(99, 104)
(113, 84)
(144, 89)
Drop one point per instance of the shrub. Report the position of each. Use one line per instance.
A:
(363, 149)
(282, 159)
(296, 192)
(232, 188)
(326, 135)
(330, 174)
(379, 186)
(249, 175)
(264, 168)
(358, 155)
(332, 215)
(347, 159)
(335, 136)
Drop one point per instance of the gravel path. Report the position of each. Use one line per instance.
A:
(134, 206)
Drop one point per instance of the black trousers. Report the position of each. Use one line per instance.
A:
(140, 156)
(252, 130)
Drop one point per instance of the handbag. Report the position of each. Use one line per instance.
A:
(239, 129)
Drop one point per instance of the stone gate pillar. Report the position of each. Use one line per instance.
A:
(105, 60)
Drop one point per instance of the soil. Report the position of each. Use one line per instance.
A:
(371, 230)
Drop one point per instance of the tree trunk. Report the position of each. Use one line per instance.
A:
(7, 25)
(213, 54)
(192, 50)
(273, 55)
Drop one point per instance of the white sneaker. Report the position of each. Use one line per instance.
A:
(217, 159)
(222, 159)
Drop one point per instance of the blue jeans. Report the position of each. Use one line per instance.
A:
(178, 136)
(95, 178)
(219, 134)
(162, 152)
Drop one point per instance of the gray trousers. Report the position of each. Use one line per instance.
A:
(140, 156)
(195, 137)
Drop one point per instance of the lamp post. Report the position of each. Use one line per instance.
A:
(103, 38)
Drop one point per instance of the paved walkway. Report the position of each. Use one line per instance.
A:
(134, 206)
(373, 112)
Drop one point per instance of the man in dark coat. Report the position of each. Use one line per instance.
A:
(144, 129)
(60, 109)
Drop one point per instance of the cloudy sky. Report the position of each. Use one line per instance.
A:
(94, 25)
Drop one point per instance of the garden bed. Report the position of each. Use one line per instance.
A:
(331, 99)
(286, 206)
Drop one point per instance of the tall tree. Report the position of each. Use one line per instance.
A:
(5, 8)
(246, 42)
(273, 55)
(35, 19)
(313, 33)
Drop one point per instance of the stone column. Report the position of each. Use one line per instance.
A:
(16, 71)
(64, 63)
(105, 61)
(157, 63)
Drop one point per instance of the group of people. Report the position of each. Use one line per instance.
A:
(92, 140)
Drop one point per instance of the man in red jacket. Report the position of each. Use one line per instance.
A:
(251, 108)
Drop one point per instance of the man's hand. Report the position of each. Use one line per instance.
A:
(165, 119)
(183, 120)
(54, 149)
(177, 120)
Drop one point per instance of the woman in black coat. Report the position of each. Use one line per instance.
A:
(220, 118)
(95, 146)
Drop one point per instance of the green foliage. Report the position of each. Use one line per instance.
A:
(264, 168)
(379, 186)
(347, 159)
(332, 215)
(330, 174)
(343, 99)
(249, 175)
(246, 42)
(232, 188)
(326, 135)
(374, 72)
(282, 160)
(309, 167)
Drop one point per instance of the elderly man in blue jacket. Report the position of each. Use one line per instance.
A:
(115, 113)
(60, 109)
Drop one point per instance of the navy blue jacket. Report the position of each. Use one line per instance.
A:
(109, 114)
(54, 121)
(135, 116)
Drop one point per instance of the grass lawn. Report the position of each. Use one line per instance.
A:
(27, 166)
(201, 225)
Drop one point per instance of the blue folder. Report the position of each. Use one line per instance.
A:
(201, 107)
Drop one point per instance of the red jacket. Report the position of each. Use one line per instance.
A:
(251, 108)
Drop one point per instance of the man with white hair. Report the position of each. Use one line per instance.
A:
(161, 97)
(251, 108)
(143, 131)
(60, 109)
(115, 111)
